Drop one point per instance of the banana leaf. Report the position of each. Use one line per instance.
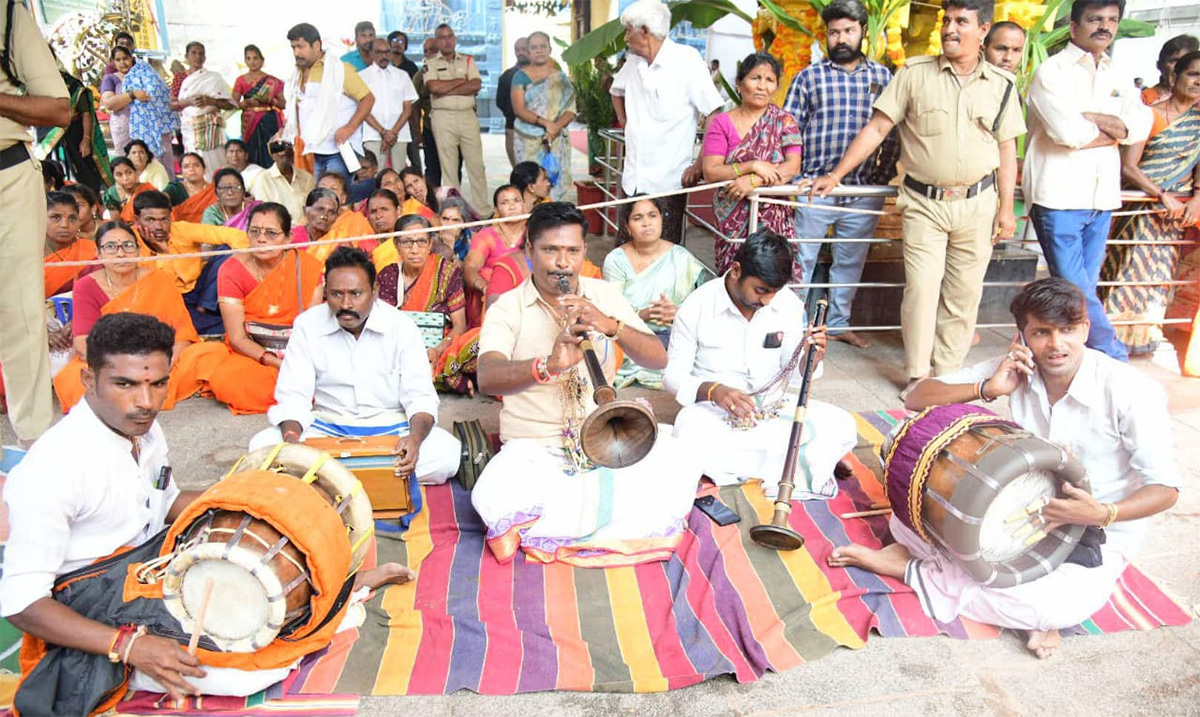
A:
(609, 38)
(784, 17)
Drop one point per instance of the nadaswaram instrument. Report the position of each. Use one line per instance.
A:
(972, 484)
(776, 534)
(619, 432)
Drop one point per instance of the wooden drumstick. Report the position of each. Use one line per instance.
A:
(866, 513)
(198, 628)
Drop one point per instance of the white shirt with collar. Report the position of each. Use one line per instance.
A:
(712, 341)
(271, 186)
(250, 173)
(392, 87)
(661, 102)
(328, 370)
(1057, 173)
(76, 497)
(1112, 418)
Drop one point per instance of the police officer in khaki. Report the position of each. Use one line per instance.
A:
(958, 118)
(452, 81)
(31, 93)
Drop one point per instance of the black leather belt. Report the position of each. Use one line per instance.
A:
(930, 191)
(14, 155)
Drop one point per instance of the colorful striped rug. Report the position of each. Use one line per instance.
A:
(721, 605)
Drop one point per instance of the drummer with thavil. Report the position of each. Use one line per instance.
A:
(1110, 416)
(96, 485)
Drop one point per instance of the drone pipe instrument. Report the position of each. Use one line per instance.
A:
(619, 432)
(777, 534)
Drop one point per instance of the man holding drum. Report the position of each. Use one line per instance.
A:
(1108, 415)
(96, 485)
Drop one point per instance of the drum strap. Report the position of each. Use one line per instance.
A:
(342, 598)
(311, 475)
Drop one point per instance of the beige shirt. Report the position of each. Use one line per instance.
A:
(457, 68)
(946, 136)
(34, 66)
(270, 186)
(521, 326)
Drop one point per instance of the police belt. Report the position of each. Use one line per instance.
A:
(14, 155)
(930, 191)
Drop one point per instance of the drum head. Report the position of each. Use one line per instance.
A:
(334, 480)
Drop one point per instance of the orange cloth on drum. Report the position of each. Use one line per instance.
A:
(312, 524)
(192, 210)
(60, 278)
(127, 215)
(240, 382)
(155, 295)
(348, 225)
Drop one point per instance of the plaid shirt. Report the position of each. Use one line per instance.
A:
(831, 106)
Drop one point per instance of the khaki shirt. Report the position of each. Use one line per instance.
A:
(946, 136)
(457, 68)
(34, 65)
(521, 326)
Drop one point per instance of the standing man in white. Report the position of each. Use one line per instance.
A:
(387, 132)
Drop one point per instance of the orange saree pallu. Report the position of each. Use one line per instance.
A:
(127, 214)
(240, 382)
(192, 209)
(155, 295)
(61, 278)
(349, 225)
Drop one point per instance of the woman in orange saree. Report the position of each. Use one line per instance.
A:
(118, 199)
(63, 243)
(191, 195)
(261, 294)
(127, 286)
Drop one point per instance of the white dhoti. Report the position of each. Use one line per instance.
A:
(597, 518)
(438, 461)
(730, 455)
(1066, 597)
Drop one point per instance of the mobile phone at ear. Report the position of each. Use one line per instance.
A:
(720, 513)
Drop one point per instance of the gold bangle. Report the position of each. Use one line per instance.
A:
(712, 388)
(616, 335)
(753, 180)
(1112, 514)
(737, 172)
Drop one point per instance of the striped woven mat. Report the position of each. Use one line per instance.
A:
(721, 605)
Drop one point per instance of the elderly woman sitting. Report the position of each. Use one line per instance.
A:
(431, 287)
(656, 276)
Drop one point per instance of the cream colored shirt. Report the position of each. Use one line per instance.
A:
(946, 136)
(521, 326)
(1058, 174)
(456, 68)
(270, 186)
(34, 65)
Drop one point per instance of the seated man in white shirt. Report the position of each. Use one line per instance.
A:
(733, 337)
(357, 366)
(96, 484)
(1106, 413)
(541, 494)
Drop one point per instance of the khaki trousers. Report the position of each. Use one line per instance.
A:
(458, 131)
(510, 146)
(947, 246)
(24, 352)
(396, 157)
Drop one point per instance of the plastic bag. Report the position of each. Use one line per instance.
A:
(549, 162)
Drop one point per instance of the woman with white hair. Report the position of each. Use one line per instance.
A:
(656, 96)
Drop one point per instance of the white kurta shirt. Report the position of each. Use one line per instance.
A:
(712, 341)
(1113, 419)
(392, 88)
(384, 369)
(76, 497)
(1057, 174)
(661, 102)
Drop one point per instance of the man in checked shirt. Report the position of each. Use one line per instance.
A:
(831, 101)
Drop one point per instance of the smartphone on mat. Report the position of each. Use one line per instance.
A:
(720, 513)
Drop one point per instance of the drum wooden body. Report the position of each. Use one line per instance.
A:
(371, 461)
(957, 475)
(275, 551)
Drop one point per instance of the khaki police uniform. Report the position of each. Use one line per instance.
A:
(456, 127)
(24, 352)
(950, 137)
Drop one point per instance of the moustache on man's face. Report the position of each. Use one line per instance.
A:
(349, 312)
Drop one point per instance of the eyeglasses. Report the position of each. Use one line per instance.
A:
(229, 189)
(128, 247)
(255, 232)
(407, 243)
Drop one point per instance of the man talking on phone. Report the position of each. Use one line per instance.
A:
(1107, 414)
(732, 338)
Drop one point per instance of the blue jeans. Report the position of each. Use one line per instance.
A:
(1073, 241)
(848, 258)
(331, 163)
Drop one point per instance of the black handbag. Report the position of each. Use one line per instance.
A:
(477, 450)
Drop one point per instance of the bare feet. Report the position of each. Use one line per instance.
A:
(912, 383)
(386, 574)
(851, 338)
(1043, 644)
(890, 560)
